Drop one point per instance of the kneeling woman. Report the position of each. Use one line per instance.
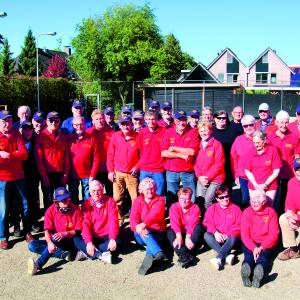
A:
(100, 227)
(259, 233)
(186, 230)
(61, 223)
(222, 221)
(148, 224)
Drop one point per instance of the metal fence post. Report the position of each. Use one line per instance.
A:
(281, 99)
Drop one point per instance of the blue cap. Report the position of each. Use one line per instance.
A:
(138, 114)
(61, 193)
(297, 163)
(166, 104)
(109, 110)
(26, 124)
(154, 104)
(77, 103)
(38, 116)
(124, 120)
(126, 109)
(4, 114)
(180, 114)
(53, 114)
(298, 109)
(194, 113)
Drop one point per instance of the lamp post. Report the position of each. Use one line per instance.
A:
(37, 66)
(3, 14)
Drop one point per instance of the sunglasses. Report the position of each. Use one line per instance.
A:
(248, 125)
(223, 197)
(221, 118)
(53, 121)
(263, 111)
(298, 113)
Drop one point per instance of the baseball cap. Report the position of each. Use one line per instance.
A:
(61, 193)
(138, 114)
(126, 109)
(4, 114)
(77, 103)
(154, 104)
(26, 124)
(298, 109)
(297, 163)
(263, 106)
(194, 113)
(38, 116)
(109, 110)
(166, 104)
(124, 120)
(180, 114)
(53, 114)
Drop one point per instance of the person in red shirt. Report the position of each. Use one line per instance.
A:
(100, 227)
(151, 162)
(265, 123)
(288, 146)
(290, 220)
(52, 157)
(84, 157)
(179, 148)
(123, 162)
(209, 165)
(263, 166)
(148, 224)
(62, 223)
(12, 153)
(222, 221)
(294, 127)
(185, 231)
(259, 234)
(166, 115)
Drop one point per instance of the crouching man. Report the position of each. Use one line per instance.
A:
(100, 227)
(62, 223)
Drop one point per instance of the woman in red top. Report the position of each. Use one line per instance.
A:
(186, 230)
(263, 166)
(148, 224)
(209, 165)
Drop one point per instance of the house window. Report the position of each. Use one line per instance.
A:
(232, 78)
(261, 77)
(273, 78)
(221, 77)
(265, 59)
(229, 58)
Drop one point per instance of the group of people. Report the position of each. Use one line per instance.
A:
(167, 164)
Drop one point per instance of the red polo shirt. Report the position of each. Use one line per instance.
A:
(184, 222)
(271, 128)
(262, 166)
(288, 147)
(123, 154)
(292, 201)
(99, 222)
(294, 128)
(11, 168)
(84, 155)
(152, 213)
(188, 139)
(51, 153)
(150, 149)
(162, 123)
(210, 161)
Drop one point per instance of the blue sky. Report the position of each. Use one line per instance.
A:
(203, 27)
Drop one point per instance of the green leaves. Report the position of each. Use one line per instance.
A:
(6, 60)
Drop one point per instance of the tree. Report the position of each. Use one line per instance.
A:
(27, 58)
(7, 62)
(170, 60)
(57, 68)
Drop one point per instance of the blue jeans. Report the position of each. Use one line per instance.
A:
(153, 241)
(245, 192)
(173, 181)
(41, 247)
(74, 185)
(158, 177)
(6, 188)
(222, 250)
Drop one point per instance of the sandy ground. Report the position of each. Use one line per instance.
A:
(94, 279)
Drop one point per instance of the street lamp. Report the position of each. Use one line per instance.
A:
(37, 66)
(3, 14)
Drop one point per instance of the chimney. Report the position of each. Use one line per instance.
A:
(67, 50)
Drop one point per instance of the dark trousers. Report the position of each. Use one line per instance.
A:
(102, 177)
(55, 182)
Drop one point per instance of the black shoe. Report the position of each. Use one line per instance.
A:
(35, 228)
(17, 232)
(159, 256)
(184, 260)
(258, 275)
(146, 265)
(246, 272)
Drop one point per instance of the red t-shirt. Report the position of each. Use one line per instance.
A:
(292, 201)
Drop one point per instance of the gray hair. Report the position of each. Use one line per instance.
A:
(248, 119)
(260, 134)
(282, 114)
(146, 183)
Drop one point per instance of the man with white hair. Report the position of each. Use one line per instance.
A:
(288, 146)
(24, 114)
(266, 122)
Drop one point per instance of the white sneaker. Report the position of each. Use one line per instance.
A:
(106, 257)
(229, 259)
(31, 267)
(216, 263)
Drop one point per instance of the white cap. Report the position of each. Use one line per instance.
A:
(264, 106)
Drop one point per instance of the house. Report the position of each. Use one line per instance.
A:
(227, 67)
(268, 69)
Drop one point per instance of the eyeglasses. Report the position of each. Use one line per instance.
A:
(248, 125)
(221, 118)
(263, 111)
(53, 121)
(223, 197)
